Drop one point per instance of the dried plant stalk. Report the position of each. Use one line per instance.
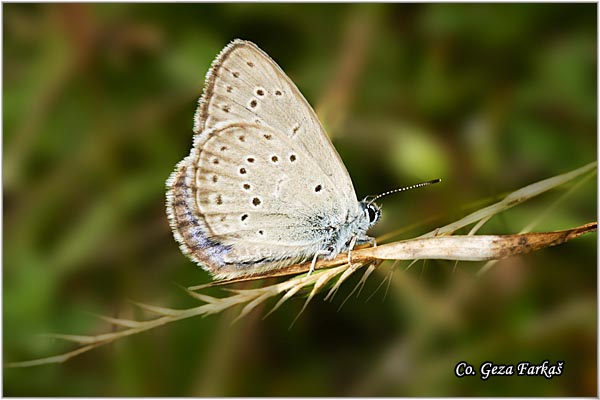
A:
(473, 248)
(433, 245)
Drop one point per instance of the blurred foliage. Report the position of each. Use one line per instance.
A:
(98, 106)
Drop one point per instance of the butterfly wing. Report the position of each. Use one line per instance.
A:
(248, 201)
(245, 85)
(238, 217)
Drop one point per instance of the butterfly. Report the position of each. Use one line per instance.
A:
(263, 187)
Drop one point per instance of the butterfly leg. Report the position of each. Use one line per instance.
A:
(366, 239)
(314, 261)
(372, 241)
(350, 247)
(360, 240)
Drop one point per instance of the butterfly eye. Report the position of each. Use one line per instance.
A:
(372, 213)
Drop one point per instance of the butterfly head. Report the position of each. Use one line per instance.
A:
(371, 211)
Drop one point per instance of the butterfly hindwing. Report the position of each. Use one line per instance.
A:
(249, 189)
(238, 206)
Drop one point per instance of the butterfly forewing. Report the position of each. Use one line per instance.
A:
(245, 85)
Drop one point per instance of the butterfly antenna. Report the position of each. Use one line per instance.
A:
(418, 185)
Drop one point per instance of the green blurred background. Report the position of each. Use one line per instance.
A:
(98, 107)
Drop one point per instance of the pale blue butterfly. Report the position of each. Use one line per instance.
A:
(262, 187)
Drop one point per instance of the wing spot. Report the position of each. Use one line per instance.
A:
(226, 108)
(268, 136)
(253, 103)
(250, 64)
(246, 186)
(215, 161)
(278, 93)
(223, 148)
(274, 159)
(235, 74)
(250, 159)
(318, 188)
(229, 88)
(261, 232)
(295, 129)
(219, 199)
(222, 218)
(260, 92)
(243, 171)
(244, 217)
(215, 178)
(256, 201)
(242, 138)
(292, 157)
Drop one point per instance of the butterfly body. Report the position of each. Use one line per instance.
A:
(263, 186)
